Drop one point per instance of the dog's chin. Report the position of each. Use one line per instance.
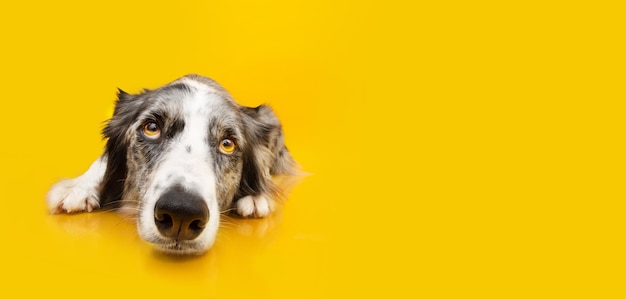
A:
(193, 247)
(180, 249)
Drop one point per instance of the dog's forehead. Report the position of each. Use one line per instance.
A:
(187, 104)
(204, 84)
(186, 97)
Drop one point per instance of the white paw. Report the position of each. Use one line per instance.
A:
(254, 206)
(72, 196)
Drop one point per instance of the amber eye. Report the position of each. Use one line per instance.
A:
(152, 130)
(227, 146)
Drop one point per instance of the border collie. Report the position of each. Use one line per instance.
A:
(177, 157)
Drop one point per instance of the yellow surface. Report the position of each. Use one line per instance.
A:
(458, 149)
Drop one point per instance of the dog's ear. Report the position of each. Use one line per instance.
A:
(265, 154)
(125, 112)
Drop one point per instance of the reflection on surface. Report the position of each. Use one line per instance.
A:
(107, 224)
(235, 255)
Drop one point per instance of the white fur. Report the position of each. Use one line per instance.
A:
(79, 194)
(199, 86)
(254, 205)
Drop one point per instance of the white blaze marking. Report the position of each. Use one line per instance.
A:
(194, 171)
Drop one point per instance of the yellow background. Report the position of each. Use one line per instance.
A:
(458, 149)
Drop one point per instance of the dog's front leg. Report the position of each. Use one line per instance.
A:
(79, 194)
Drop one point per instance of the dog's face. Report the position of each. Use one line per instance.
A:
(180, 155)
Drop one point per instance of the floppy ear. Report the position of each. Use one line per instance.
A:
(265, 154)
(112, 186)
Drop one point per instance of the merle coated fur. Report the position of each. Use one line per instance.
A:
(261, 150)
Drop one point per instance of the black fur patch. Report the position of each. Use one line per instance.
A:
(126, 111)
(265, 153)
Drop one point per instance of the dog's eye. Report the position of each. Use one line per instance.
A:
(152, 130)
(227, 146)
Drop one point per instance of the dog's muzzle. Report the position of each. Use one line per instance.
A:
(180, 215)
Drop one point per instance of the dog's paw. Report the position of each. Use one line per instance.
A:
(254, 206)
(71, 196)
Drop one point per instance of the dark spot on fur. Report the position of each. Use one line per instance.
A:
(188, 148)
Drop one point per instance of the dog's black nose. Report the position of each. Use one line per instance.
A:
(180, 215)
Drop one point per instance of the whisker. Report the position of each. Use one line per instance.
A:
(129, 217)
(227, 211)
(227, 225)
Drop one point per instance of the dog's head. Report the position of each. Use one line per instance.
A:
(181, 154)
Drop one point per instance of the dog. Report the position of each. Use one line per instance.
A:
(179, 156)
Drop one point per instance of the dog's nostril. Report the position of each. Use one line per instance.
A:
(197, 225)
(163, 221)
